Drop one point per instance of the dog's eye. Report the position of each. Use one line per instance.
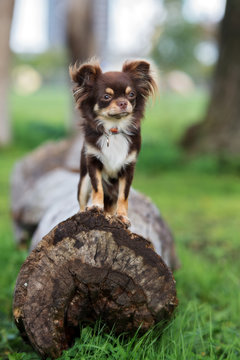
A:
(131, 94)
(107, 97)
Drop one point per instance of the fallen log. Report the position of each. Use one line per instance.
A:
(54, 200)
(26, 181)
(44, 193)
(87, 267)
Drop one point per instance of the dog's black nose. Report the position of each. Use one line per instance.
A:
(122, 104)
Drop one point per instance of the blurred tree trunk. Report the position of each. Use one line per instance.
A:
(81, 41)
(220, 130)
(6, 13)
(80, 30)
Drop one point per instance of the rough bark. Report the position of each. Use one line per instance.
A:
(220, 131)
(88, 267)
(6, 12)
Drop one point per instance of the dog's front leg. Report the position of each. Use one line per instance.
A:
(95, 173)
(97, 190)
(84, 186)
(125, 182)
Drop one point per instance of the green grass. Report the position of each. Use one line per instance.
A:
(199, 199)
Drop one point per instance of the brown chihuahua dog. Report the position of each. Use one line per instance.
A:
(112, 106)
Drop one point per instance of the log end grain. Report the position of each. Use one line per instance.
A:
(90, 267)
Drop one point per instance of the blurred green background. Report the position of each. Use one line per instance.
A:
(197, 192)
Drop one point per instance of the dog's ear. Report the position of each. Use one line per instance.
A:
(141, 74)
(84, 77)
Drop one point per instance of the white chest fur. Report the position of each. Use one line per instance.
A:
(113, 154)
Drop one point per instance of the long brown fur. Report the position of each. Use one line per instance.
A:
(112, 105)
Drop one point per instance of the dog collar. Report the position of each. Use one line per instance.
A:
(112, 131)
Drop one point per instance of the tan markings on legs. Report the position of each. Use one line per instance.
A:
(97, 196)
(84, 192)
(122, 204)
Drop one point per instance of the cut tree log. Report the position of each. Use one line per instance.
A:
(55, 200)
(88, 267)
(44, 193)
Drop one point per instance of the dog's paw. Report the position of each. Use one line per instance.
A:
(108, 216)
(81, 210)
(94, 208)
(125, 220)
